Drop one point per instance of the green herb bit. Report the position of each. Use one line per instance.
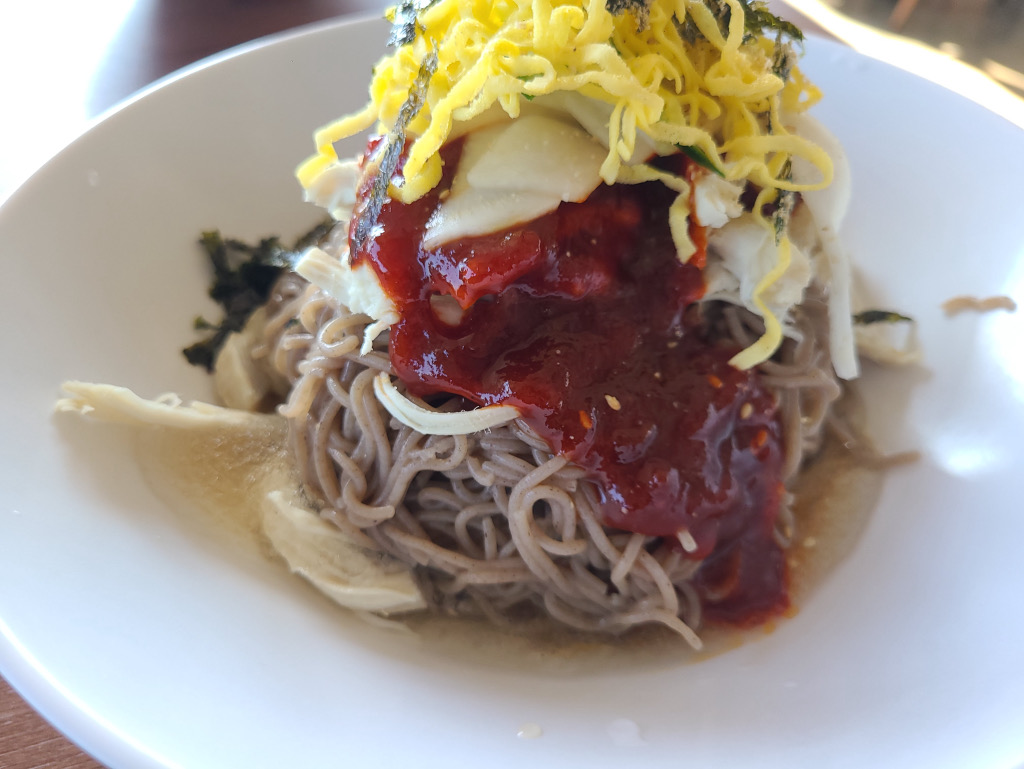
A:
(880, 316)
(527, 79)
(202, 324)
(758, 20)
(698, 156)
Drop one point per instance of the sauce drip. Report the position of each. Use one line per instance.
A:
(584, 320)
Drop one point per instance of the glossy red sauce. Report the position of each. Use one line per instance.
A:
(583, 319)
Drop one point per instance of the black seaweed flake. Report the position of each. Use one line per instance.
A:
(640, 9)
(688, 30)
(243, 275)
(404, 24)
(784, 204)
(780, 219)
(868, 317)
(784, 58)
(723, 14)
(757, 21)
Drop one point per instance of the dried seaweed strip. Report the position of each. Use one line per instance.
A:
(880, 316)
(386, 161)
(404, 21)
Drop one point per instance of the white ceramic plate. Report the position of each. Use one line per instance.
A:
(153, 646)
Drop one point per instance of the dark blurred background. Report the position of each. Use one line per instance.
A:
(988, 34)
(159, 36)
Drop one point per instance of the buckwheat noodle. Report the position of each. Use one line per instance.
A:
(495, 525)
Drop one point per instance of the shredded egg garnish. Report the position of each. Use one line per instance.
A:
(693, 74)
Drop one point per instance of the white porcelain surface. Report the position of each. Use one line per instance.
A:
(153, 646)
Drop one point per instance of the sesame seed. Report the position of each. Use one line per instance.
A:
(746, 410)
(613, 402)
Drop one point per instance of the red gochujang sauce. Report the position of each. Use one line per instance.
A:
(583, 319)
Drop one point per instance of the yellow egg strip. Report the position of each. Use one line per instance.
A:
(718, 93)
(769, 342)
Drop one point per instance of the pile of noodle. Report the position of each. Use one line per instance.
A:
(492, 523)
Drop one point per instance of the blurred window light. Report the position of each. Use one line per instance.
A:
(45, 86)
